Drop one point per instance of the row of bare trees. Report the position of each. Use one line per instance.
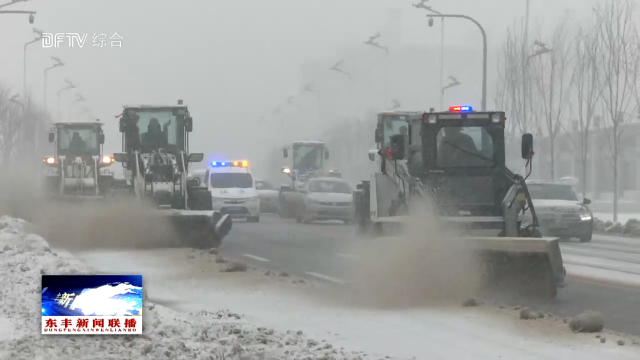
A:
(23, 128)
(580, 77)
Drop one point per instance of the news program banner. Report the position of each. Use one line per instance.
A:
(92, 304)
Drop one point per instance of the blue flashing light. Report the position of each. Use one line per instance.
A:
(236, 163)
(460, 108)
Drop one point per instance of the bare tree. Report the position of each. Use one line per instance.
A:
(586, 93)
(618, 58)
(552, 80)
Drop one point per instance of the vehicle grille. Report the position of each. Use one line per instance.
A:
(234, 201)
(335, 203)
(559, 217)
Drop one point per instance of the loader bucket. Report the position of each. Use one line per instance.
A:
(199, 229)
(531, 266)
(524, 266)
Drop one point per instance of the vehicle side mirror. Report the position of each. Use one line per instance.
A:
(285, 153)
(586, 201)
(52, 137)
(326, 154)
(378, 136)
(372, 154)
(195, 182)
(101, 138)
(527, 146)
(120, 157)
(195, 157)
(397, 143)
(188, 126)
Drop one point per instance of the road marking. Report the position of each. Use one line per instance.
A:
(326, 277)
(348, 256)
(256, 257)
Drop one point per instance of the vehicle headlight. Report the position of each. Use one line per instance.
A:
(585, 214)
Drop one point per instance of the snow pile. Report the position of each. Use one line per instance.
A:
(166, 334)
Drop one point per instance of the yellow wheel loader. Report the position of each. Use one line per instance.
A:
(454, 162)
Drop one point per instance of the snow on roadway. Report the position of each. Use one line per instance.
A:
(622, 217)
(167, 334)
(454, 333)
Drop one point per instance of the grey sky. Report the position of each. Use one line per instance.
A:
(231, 61)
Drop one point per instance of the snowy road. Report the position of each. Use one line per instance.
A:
(603, 275)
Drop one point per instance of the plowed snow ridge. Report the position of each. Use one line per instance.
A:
(166, 334)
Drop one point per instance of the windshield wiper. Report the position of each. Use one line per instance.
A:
(469, 152)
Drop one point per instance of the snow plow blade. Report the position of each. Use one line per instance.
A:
(528, 266)
(199, 229)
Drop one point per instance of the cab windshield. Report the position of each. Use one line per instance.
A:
(157, 128)
(307, 157)
(328, 186)
(231, 180)
(460, 146)
(394, 126)
(83, 140)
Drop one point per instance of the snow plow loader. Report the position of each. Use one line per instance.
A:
(308, 161)
(78, 170)
(458, 172)
(156, 160)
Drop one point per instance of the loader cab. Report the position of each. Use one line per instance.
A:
(308, 156)
(393, 123)
(77, 139)
(147, 128)
(463, 161)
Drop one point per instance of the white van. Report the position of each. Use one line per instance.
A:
(233, 189)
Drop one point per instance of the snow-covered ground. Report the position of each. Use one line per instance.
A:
(293, 326)
(622, 218)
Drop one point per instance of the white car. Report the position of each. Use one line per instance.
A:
(559, 211)
(326, 198)
(268, 196)
(233, 190)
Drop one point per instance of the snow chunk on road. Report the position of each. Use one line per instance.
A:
(167, 334)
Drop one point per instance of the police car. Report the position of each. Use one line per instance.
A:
(233, 189)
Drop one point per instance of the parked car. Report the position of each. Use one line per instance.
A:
(326, 198)
(268, 196)
(559, 211)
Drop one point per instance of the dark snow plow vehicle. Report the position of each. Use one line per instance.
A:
(461, 173)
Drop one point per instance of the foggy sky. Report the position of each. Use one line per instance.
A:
(234, 61)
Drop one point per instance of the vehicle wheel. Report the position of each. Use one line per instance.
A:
(253, 219)
(586, 238)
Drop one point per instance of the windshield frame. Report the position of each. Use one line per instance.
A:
(319, 160)
(65, 133)
(231, 179)
(431, 142)
(175, 131)
(342, 182)
(539, 188)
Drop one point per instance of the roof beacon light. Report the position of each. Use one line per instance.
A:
(243, 163)
(460, 108)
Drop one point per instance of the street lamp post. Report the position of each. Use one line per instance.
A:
(484, 52)
(24, 73)
(69, 86)
(423, 5)
(31, 13)
(12, 2)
